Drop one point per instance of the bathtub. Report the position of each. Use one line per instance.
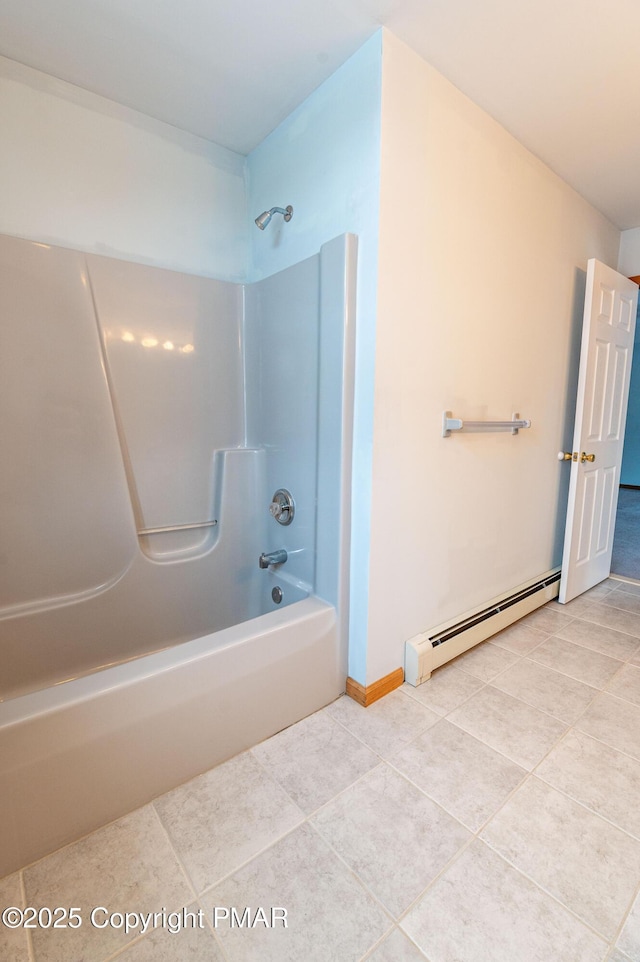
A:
(138, 652)
(78, 755)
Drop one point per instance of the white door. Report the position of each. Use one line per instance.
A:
(601, 410)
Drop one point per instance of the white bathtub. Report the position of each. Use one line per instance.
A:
(80, 754)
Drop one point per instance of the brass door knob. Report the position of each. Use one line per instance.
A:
(567, 456)
(587, 457)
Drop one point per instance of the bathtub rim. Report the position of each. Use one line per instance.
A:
(122, 675)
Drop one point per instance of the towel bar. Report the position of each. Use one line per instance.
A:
(449, 424)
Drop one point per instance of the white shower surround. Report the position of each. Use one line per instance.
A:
(77, 754)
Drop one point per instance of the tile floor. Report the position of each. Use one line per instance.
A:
(490, 815)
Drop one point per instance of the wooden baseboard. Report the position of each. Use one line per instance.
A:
(366, 696)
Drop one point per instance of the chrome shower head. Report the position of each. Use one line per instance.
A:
(266, 215)
(264, 219)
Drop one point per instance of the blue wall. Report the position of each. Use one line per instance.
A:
(630, 473)
(324, 160)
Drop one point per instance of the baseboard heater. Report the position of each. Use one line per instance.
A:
(430, 649)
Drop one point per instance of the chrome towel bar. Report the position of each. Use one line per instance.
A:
(449, 424)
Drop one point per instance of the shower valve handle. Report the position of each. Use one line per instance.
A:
(282, 507)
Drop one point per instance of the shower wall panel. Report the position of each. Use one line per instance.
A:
(282, 324)
(174, 354)
(65, 516)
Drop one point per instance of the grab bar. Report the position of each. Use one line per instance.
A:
(449, 424)
(178, 527)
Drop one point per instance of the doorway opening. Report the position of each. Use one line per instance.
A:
(625, 559)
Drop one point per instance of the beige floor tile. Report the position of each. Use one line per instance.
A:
(329, 914)
(613, 721)
(522, 733)
(223, 818)
(315, 760)
(629, 940)
(603, 779)
(629, 586)
(483, 910)
(547, 619)
(626, 684)
(195, 942)
(396, 948)
(447, 688)
(548, 690)
(485, 661)
(128, 866)
(603, 614)
(607, 641)
(586, 863)
(465, 776)
(617, 956)
(628, 601)
(578, 662)
(519, 638)
(598, 592)
(13, 942)
(386, 725)
(575, 608)
(391, 835)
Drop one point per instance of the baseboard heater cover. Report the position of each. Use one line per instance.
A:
(431, 649)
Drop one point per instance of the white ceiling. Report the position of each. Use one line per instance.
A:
(562, 75)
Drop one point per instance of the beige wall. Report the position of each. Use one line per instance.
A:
(629, 260)
(481, 270)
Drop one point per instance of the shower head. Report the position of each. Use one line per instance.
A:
(266, 215)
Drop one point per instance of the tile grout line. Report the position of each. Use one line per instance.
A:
(577, 801)
(176, 854)
(216, 938)
(445, 868)
(31, 949)
(374, 750)
(136, 940)
(597, 692)
(362, 884)
(224, 878)
(558, 901)
(610, 627)
(396, 928)
(598, 651)
(483, 684)
(625, 917)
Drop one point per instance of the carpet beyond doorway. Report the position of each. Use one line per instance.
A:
(625, 560)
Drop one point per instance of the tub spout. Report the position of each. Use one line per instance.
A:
(272, 558)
